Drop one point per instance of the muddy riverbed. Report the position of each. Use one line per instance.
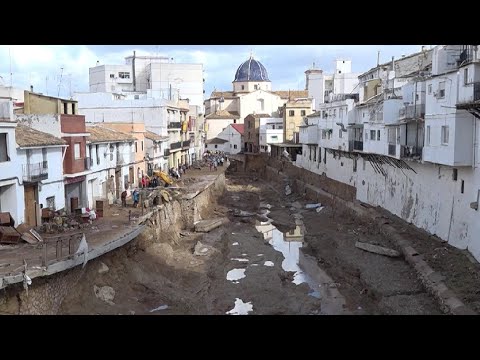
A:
(274, 256)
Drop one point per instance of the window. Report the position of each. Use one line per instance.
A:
(378, 135)
(216, 146)
(319, 154)
(73, 109)
(234, 121)
(340, 133)
(255, 87)
(136, 97)
(142, 145)
(111, 152)
(291, 113)
(441, 90)
(249, 124)
(366, 135)
(324, 134)
(310, 153)
(334, 112)
(428, 135)
(303, 112)
(430, 89)
(455, 174)
(234, 146)
(325, 155)
(44, 156)
(112, 76)
(76, 148)
(372, 135)
(65, 108)
(97, 151)
(124, 75)
(243, 87)
(136, 147)
(465, 80)
(462, 187)
(314, 154)
(355, 165)
(51, 202)
(340, 113)
(445, 135)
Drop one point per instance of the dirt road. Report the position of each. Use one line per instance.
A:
(273, 257)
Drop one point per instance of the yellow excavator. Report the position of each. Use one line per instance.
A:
(160, 174)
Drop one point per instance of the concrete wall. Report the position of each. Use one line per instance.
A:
(215, 126)
(249, 103)
(100, 80)
(49, 123)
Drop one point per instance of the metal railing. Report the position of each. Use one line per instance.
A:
(412, 111)
(392, 149)
(186, 144)
(174, 125)
(176, 145)
(35, 172)
(410, 151)
(356, 145)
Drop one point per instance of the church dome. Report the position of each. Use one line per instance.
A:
(251, 70)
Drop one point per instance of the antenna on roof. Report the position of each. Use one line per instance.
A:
(251, 53)
(11, 74)
(60, 81)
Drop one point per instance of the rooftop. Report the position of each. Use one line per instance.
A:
(27, 137)
(239, 127)
(216, 141)
(223, 114)
(100, 134)
(154, 137)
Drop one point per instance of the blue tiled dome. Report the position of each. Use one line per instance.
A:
(251, 70)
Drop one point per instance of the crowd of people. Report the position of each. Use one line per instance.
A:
(214, 159)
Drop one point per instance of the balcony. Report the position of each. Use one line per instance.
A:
(412, 112)
(166, 152)
(35, 172)
(186, 144)
(356, 145)
(88, 163)
(176, 145)
(410, 152)
(174, 125)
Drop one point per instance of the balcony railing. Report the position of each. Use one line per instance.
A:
(35, 172)
(392, 149)
(176, 145)
(174, 125)
(476, 91)
(412, 112)
(186, 144)
(356, 145)
(166, 152)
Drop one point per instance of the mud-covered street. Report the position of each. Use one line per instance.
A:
(273, 256)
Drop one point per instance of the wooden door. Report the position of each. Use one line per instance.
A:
(30, 205)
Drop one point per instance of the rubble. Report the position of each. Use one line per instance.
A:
(377, 249)
(105, 293)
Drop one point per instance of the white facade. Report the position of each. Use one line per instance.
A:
(11, 93)
(156, 76)
(106, 159)
(234, 140)
(11, 184)
(216, 145)
(155, 152)
(271, 132)
(441, 194)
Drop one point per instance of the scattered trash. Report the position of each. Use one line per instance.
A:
(268, 263)
(377, 249)
(319, 209)
(235, 243)
(103, 268)
(333, 285)
(363, 291)
(161, 307)
(83, 249)
(254, 265)
(200, 249)
(260, 255)
(239, 259)
(115, 214)
(244, 254)
(105, 293)
(313, 206)
(132, 312)
(241, 308)
(114, 226)
(288, 190)
(242, 213)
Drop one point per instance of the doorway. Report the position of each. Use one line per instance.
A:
(30, 195)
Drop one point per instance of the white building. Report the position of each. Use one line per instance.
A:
(271, 132)
(110, 156)
(320, 86)
(157, 77)
(156, 151)
(233, 134)
(437, 188)
(252, 94)
(217, 144)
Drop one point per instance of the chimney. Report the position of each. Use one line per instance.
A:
(31, 88)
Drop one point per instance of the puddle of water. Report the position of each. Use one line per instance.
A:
(305, 268)
(236, 274)
(161, 307)
(268, 263)
(241, 308)
(239, 259)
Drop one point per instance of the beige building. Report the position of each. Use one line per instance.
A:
(294, 112)
(137, 130)
(252, 94)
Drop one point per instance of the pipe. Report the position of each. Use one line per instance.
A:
(133, 73)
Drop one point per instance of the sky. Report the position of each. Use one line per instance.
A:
(60, 70)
